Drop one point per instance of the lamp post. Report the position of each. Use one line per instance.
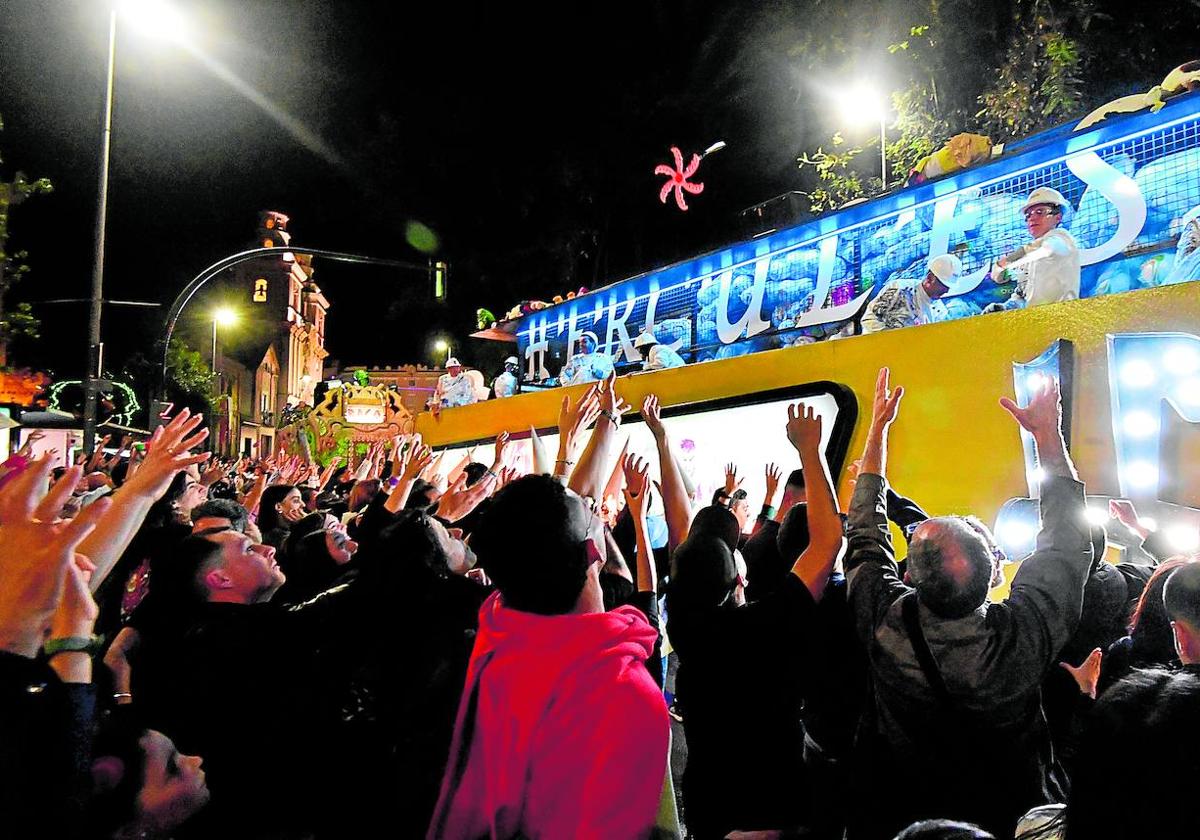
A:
(156, 18)
(862, 104)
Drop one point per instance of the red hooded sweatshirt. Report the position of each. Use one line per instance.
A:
(561, 731)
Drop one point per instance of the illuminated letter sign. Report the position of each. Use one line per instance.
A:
(260, 290)
(1130, 181)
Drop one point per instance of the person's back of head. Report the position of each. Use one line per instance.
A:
(1150, 626)
(1142, 727)
(1181, 597)
(793, 536)
(533, 543)
(794, 490)
(474, 472)
(718, 521)
(943, 830)
(221, 509)
(952, 565)
(703, 573)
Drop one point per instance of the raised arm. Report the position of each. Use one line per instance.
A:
(588, 477)
(874, 580)
(168, 453)
(637, 498)
(676, 504)
(573, 420)
(1047, 592)
(816, 563)
(413, 459)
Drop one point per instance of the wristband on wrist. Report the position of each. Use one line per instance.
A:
(612, 418)
(122, 695)
(90, 645)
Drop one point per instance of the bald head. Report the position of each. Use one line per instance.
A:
(951, 564)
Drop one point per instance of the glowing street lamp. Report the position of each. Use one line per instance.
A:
(442, 346)
(864, 104)
(158, 20)
(225, 317)
(155, 19)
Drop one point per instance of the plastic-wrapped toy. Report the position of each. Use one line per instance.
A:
(960, 151)
(1184, 78)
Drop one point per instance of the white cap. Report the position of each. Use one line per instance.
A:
(645, 339)
(1046, 195)
(453, 362)
(511, 360)
(589, 334)
(945, 267)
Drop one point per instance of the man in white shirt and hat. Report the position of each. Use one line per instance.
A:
(909, 303)
(587, 365)
(656, 356)
(1047, 268)
(509, 382)
(454, 387)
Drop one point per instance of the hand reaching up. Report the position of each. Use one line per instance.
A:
(1087, 675)
(36, 552)
(804, 430)
(1043, 415)
(773, 476)
(637, 485)
(652, 416)
(167, 453)
(732, 482)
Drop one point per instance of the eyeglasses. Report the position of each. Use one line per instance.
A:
(1039, 212)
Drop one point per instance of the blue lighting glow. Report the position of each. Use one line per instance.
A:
(1149, 373)
(1130, 180)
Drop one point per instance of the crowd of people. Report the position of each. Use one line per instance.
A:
(265, 648)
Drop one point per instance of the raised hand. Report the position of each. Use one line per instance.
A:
(36, 552)
(167, 453)
(886, 404)
(773, 476)
(459, 500)
(732, 482)
(574, 420)
(413, 462)
(501, 445)
(1124, 511)
(612, 405)
(637, 485)
(804, 430)
(1043, 415)
(1087, 674)
(652, 416)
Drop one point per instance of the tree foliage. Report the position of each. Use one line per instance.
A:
(20, 322)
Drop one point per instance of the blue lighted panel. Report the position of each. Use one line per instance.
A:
(1130, 180)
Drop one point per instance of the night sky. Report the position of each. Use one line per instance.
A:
(524, 137)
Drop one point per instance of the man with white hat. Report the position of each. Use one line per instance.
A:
(656, 356)
(508, 383)
(588, 364)
(454, 387)
(908, 303)
(1047, 268)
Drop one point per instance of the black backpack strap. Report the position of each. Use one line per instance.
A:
(912, 623)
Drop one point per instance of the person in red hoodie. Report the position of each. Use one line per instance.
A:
(561, 731)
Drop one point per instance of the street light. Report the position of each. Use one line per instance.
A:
(863, 104)
(155, 19)
(158, 19)
(225, 317)
(442, 346)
